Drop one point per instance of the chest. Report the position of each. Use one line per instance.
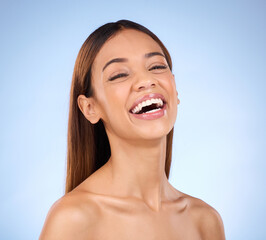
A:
(127, 225)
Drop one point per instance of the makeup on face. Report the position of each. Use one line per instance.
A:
(149, 107)
(117, 60)
(134, 76)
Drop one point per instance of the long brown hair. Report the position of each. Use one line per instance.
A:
(87, 145)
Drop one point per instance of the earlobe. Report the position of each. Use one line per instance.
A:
(89, 109)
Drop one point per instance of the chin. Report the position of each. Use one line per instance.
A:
(154, 132)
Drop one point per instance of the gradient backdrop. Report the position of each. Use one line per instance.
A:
(219, 55)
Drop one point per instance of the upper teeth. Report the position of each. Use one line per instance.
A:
(148, 102)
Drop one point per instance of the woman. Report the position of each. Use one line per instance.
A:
(123, 108)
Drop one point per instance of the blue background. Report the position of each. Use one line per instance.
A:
(219, 55)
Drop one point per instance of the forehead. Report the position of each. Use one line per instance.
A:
(127, 43)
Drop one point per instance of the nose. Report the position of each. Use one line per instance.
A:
(144, 82)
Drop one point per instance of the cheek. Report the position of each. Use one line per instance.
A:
(166, 78)
(168, 83)
(116, 99)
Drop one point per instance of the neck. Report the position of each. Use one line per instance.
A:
(138, 170)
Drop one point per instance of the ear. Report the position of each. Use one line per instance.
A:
(89, 108)
(178, 100)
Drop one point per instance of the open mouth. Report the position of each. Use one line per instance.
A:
(148, 106)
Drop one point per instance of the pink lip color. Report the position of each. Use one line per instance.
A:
(146, 97)
(152, 115)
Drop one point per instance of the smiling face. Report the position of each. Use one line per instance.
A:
(129, 72)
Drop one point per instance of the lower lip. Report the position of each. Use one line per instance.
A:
(151, 115)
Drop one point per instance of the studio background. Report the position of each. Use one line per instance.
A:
(219, 55)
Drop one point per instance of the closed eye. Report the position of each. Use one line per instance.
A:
(158, 67)
(118, 76)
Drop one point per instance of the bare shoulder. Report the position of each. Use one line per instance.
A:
(70, 217)
(207, 219)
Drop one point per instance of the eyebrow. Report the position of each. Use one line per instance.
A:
(117, 60)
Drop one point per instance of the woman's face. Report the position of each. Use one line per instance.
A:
(129, 72)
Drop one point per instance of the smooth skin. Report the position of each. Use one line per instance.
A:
(130, 196)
